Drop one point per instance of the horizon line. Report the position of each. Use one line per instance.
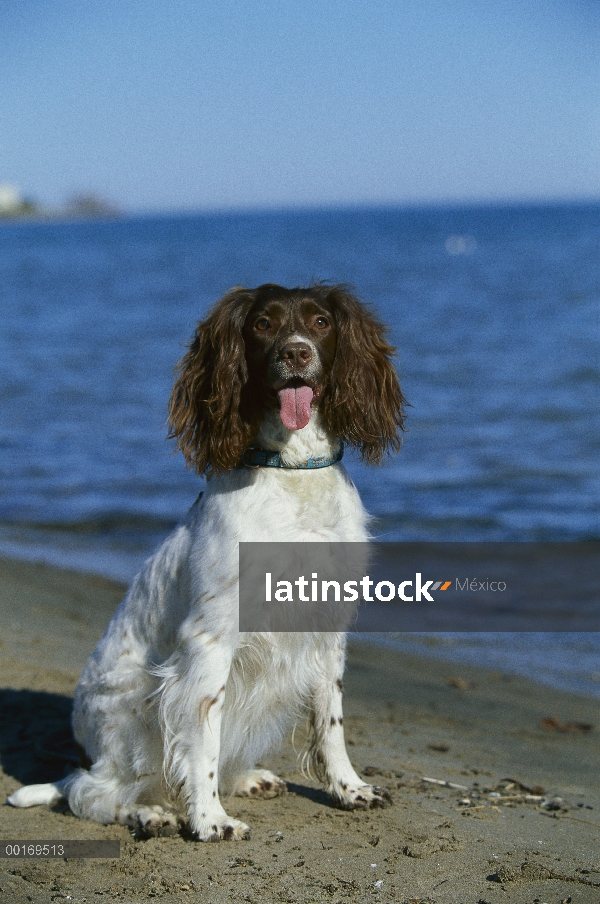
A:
(55, 215)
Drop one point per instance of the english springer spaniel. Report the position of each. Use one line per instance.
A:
(176, 706)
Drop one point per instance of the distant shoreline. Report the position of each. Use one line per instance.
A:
(17, 209)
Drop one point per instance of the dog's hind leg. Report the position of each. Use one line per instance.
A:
(104, 797)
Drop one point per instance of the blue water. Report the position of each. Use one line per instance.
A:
(494, 312)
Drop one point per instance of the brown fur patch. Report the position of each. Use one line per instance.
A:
(204, 708)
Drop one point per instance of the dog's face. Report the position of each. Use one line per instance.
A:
(291, 350)
(290, 346)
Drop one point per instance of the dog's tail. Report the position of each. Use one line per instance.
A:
(34, 795)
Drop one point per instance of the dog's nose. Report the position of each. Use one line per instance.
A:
(296, 354)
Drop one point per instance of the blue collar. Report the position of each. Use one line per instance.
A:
(262, 458)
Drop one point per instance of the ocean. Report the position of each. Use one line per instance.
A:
(493, 310)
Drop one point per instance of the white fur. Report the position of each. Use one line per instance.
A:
(175, 704)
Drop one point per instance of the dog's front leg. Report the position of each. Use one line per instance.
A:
(191, 705)
(328, 749)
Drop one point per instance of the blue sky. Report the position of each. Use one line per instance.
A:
(164, 105)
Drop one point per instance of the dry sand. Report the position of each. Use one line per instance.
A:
(524, 827)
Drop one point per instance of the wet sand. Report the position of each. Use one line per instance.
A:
(518, 819)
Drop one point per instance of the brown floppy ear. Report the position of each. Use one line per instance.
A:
(363, 402)
(205, 415)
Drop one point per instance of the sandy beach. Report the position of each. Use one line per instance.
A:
(510, 811)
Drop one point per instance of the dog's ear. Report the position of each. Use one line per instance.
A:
(363, 403)
(205, 415)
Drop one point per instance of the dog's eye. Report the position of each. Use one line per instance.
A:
(262, 324)
(321, 323)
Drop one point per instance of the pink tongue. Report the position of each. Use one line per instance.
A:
(295, 406)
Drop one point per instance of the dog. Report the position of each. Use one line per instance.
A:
(175, 705)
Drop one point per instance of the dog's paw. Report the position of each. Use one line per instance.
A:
(259, 783)
(360, 797)
(149, 822)
(223, 829)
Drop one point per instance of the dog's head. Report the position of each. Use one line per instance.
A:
(293, 350)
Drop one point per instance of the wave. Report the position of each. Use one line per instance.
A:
(102, 524)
